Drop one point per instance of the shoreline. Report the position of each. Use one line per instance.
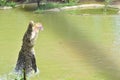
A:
(82, 6)
(5, 7)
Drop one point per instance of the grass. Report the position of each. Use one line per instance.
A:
(7, 3)
(77, 11)
(51, 5)
(91, 2)
(93, 11)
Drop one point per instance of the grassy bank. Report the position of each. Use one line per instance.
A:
(87, 9)
(95, 11)
(51, 5)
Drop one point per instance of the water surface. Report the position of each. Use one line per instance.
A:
(71, 47)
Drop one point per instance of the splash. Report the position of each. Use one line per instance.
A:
(9, 76)
(13, 75)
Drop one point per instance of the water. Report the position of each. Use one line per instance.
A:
(117, 34)
(71, 47)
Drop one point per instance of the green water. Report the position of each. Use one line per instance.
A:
(71, 47)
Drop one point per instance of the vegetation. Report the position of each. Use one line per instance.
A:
(93, 11)
(48, 4)
(51, 5)
(12, 4)
(107, 2)
(104, 10)
(2, 2)
(72, 1)
(7, 3)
